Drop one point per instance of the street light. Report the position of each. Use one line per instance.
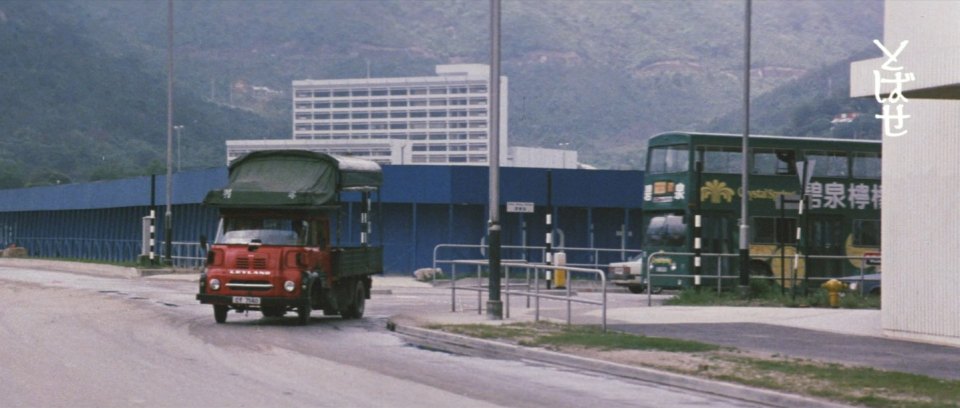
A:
(178, 128)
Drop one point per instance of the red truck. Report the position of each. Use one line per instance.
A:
(277, 246)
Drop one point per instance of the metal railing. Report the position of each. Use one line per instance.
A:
(794, 279)
(523, 252)
(524, 289)
(185, 254)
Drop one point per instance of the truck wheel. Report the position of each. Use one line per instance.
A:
(635, 289)
(220, 313)
(303, 314)
(359, 303)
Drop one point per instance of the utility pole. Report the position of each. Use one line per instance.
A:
(178, 128)
(168, 217)
(494, 304)
(744, 173)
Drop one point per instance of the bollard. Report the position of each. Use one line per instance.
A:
(560, 275)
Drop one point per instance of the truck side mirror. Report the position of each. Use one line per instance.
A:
(203, 242)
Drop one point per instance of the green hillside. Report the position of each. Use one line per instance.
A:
(599, 76)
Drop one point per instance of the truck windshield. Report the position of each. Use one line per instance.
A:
(666, 230)
(266, 231)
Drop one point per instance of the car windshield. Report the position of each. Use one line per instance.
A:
(266, 231)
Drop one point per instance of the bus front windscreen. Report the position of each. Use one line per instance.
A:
(666, 230)
(668, 159)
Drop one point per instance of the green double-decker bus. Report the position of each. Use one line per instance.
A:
(694, 173)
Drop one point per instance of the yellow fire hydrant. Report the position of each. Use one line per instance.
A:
(833, 288)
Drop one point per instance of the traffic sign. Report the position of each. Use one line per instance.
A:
(519, 207)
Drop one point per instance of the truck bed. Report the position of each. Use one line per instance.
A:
(357, 261)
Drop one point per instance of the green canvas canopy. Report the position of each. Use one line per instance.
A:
(293, 179)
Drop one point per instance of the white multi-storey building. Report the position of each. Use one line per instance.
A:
(440, 120)
(443, 119)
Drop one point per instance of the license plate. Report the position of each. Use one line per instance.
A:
(661, 269)
(244, 300)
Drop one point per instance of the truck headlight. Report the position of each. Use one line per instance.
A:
(854, 285)
(289, 286)
(214, 284)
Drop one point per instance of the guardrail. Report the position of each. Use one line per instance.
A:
(185, 254)
(522, 252)
(719, 276)
(509, 290)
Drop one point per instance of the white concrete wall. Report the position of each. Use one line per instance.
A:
(921, 175)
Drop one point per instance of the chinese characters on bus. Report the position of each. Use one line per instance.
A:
(834, 195)
(892, 74)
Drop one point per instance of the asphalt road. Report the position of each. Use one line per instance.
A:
(76, 340)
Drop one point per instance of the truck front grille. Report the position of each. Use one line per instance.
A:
(258, 263)
(254, 285)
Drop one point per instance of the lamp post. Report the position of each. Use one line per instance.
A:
(494, 304)
(178, 128)
(168, 216)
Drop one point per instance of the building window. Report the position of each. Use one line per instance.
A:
(478, 89)
(303, 94)
(478, 101)
(304, 105)
(303, 116)
(341, 116)
(341, 126)
(438, 102)
(323, 126)
(418, 136)
(378, 136)
(378, 104)
(395, 126)
(398, 92)
(360, 92)
(438, 90)
(480, 113)
(438, 114)
(419, 158)
(323, 116)
(341, 93)
(418, 114)
(458, 113)
(378, 92)
(398, 114)
(418, 91)
(418, 102)
(378, 115)
(360, 104)
(438, 136)
(438, 159)
(398, 103)
(321, 105)
(321, 94)
(360, 126)
(341, 105)
(458, 159)
(360, 115)
(419, 147)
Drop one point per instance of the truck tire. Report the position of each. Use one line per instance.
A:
(357, 304)
(220, 313)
